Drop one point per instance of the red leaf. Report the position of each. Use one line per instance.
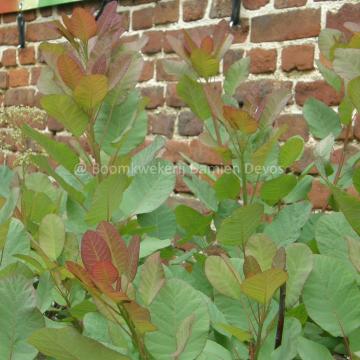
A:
(207, 44)
(189, 43)
(80, 273)
(100, 66)
(109, 20)
(134, 250)
(140, 317)
(117, 296)
(81, 24)
(94, 249)
(117, 245)
(240, 119)
(70, 70)
(105, 272)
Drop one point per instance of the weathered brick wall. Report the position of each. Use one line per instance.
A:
(280, 36)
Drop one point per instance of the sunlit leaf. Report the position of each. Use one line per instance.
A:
(261, 287)
(204, 64)
(272, 191)
(66, 111)
(70, 70)
(239, 119)
(291, 151)
(91, 91)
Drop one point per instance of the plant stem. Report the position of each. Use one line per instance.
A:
(280, 326)
(243, 178)
(341, 163)
(258, 339)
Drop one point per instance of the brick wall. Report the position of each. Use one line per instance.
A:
(280, 36)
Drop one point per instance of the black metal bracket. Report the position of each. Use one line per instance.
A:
(20, 19)
(235, 13)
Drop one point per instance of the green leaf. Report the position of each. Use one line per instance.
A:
(52, 235)
(324, 296)
(299, 263)
(17, 242)
(243, 222)
(223, 277)
(347, 63)
(291, 151)
(237, 72)
(149, 189)
(214, 351)
(192, 93)
(43, 163)
(261, 287)
(203, 191)
(354, 251)
(286, 227)
(263, 249)
(204, 64)
(192, 221)
(274, 190)
(162, 220)
(330, 234)
(58, 151)
(275, 103)
(152, 278)
(300, 191)
(356, 179)
(322, 120)
(308, 349)
(67, 112)
(107, 198)
(68, 344)
(330, 76)
(349, 206)
(354, 92)
(150, 245)
(18, 318)
(328, 39)
(239, 334)
(227, 187)
(126, 121)
(346, 109)
(91, 91)
(175, 302)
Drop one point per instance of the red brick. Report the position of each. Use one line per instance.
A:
(166, 12)
(204, 154)
(172, 98)
(41, 32)
(189, 124)
(283, 4)
(155, 95)
(143, 19)
(9, 35)
(11, 18)
(241, 32)
(317, 89)
(174, 149)
(9, 57)
(135, 2)
(35, 74)
(262, 61)
(305, 161)
(147, 71)
(318, 194)
(350, 151)
(256, 91)
(155, 42)
(220, 8)
(254, 4)
(296, 24)
(298, 57)
(348, 12)
(230, 57)
(24, 97)
(296, 125)
(161, 74)
(27, 56)
(175, 33)
(18, 77)
(194, 10)
(162, 124)
(4, 80)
